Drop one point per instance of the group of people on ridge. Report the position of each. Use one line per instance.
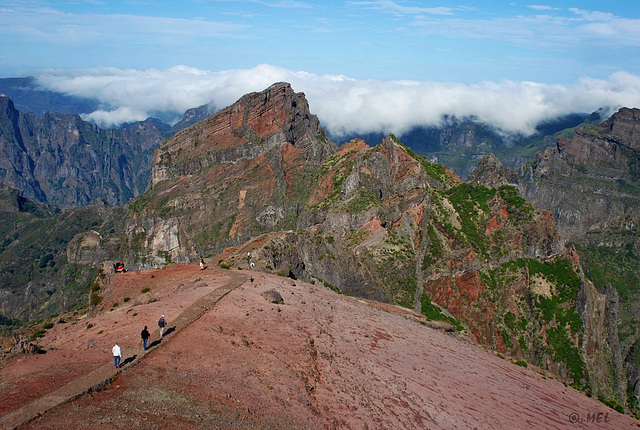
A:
(145, 335)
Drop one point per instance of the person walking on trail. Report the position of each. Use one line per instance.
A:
(145, 338)
(162, 324)
(202, 264)
(117, 355)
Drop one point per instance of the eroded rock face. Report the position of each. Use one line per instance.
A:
(591, 183)
(61, 159)
(253, 126)
(491, 173)
(248, 169)
(590, 178)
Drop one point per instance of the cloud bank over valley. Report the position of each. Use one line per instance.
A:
(343, 105)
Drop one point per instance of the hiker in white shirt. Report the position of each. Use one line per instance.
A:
(117, 355)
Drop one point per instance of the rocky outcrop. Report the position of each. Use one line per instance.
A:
(256, 124)
(589, 179)
(248, 169)
(18, 343)
(591, 183)
(491, 173)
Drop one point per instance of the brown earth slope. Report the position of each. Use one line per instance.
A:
(316, 359)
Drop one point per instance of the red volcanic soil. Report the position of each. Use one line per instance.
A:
(315, 360)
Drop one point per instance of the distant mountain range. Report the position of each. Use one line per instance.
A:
(63, 160)
(54, 156)
(461, 143)
(28, 96)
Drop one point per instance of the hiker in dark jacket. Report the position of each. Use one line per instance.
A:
(162, 324)
(145, 337)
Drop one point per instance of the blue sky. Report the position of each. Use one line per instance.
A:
(376, 51)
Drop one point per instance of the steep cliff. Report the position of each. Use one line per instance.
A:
(63, 160)
(591, 183)
(248, 169)
(588, 179)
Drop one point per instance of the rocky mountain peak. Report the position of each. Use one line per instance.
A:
(8, 112)
(625, 125)
(589, 179)
(606, 145)
(491, 173)
(254, 125)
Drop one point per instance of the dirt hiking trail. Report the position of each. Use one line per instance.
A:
(107, 373)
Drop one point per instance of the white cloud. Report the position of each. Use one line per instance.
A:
(61, 28)
(397, 9)
(548, 30)
(116, 116)
(542, 7)
(344, 105)
(593, 16)
(285, 4)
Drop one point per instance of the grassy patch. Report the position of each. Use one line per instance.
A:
(517, 207)
(565, 352)
(433, 312)
(471, 202)
(434, 249)
(361, 201)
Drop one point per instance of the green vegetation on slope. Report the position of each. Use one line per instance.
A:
(471, 204)
(33, 254)
(395, 264)
(434, 313)
(546, 317)
(617, 266)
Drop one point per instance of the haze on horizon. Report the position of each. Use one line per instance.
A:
(364, 65)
